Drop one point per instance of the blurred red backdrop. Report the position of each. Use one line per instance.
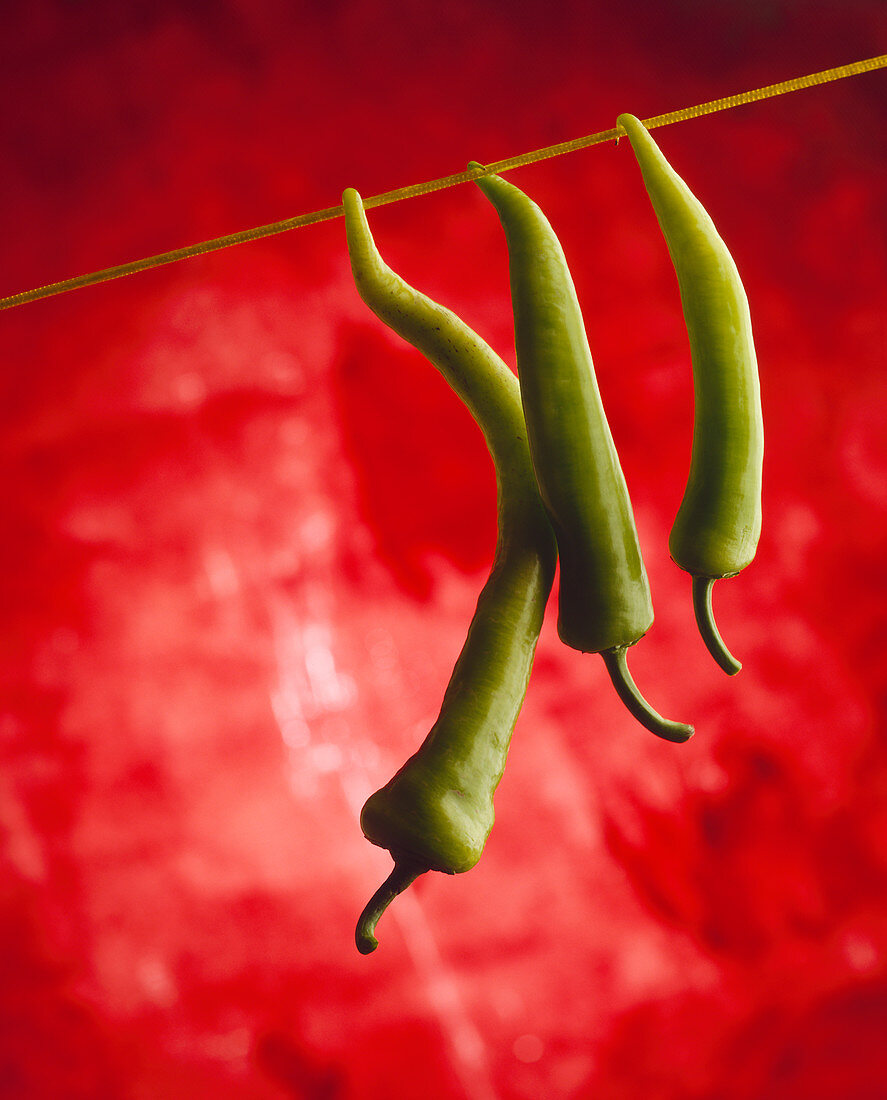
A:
(245, 527)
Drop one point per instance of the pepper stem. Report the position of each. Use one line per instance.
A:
(705, 620)
(404, 873)
(626, 689)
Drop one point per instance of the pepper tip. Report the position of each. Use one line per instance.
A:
(365, 941)
(637, 705)
(400, 878)
(705, 620)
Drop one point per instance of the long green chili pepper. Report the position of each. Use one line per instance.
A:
(604, 604)
(716, 530)
(437, 811)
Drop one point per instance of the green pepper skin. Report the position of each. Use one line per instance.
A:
(717, 527)
(604, 604)
(437, 811)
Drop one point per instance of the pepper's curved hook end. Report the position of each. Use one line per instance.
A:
(626, 689)
(400, 878)
(705, 620)
(366, 943)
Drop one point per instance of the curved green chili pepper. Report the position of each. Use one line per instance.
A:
(437, 811)
(604, 604)
(717, 527)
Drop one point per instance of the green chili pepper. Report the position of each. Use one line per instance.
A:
(717, 527)
(437, 811)
(604, 605)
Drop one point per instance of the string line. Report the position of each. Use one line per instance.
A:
(412, 191)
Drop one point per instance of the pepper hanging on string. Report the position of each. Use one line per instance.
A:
(604, 599)
(716, 531)
(437, 811)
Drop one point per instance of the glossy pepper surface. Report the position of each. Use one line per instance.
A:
(437, 811)
(716, 531)
(604, 602)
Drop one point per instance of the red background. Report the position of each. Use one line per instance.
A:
(244, 528)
